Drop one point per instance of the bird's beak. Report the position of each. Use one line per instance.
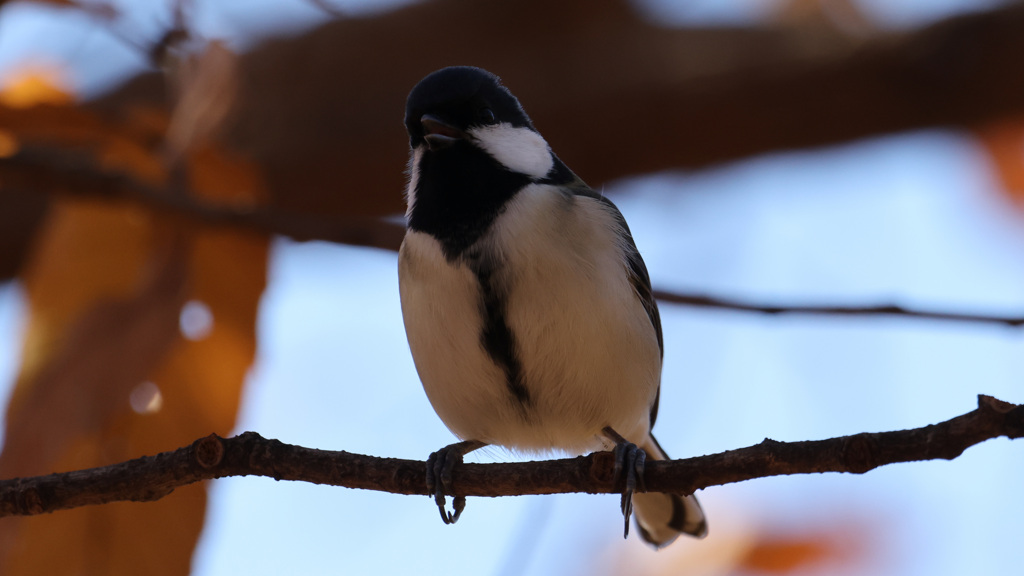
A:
(438, 133)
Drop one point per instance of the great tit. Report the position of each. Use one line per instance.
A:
(526, 304)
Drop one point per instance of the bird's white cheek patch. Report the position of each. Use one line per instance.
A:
(518, 149)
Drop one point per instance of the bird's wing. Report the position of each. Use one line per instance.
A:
(638, 276)
(635, 266)
(562, 176)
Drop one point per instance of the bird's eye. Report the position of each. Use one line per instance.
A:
(487, 115)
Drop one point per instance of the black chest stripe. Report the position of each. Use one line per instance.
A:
(497, 337)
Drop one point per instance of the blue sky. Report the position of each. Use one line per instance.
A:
(916, 219)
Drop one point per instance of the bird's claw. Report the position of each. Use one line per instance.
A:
(440, 465)
(439, 476)
(630, 461)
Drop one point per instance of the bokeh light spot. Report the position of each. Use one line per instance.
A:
(196, 320)
(146, 398)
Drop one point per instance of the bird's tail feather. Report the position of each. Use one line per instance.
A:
(662, 517)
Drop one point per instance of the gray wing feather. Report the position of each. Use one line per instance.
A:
(635, 267)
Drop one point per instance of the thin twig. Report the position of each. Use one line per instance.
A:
(704, 301)
(249, 454)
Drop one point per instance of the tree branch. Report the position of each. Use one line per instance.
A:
(249, 454)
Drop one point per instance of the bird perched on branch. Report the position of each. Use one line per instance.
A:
(526, 304)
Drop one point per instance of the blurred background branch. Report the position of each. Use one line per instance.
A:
(332, 144)
(38, 169)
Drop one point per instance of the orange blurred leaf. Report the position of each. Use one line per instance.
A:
(113, 368)
(224, 178)
(35, 85)
(36, 109)
(1004, 142)
(9, 144)
(783, 555)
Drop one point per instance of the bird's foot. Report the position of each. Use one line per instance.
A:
(630, 461)
(440, 465)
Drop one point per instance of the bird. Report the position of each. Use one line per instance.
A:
(527, 307)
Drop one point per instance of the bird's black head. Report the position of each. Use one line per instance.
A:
(461, 111)
(450, 102)
(473, 150)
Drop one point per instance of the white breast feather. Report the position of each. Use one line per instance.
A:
(443, 322)
(588, 350)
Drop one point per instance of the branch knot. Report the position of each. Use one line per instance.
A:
(208, 451)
